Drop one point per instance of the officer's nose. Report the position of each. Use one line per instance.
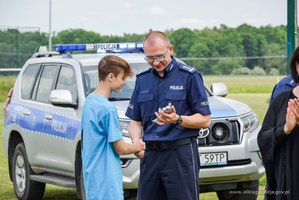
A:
(155, 62)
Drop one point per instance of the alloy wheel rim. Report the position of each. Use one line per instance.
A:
(20, 173)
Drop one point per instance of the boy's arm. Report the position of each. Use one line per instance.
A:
(122, 148)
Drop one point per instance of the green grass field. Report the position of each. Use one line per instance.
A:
(254, 91)
(245, 84)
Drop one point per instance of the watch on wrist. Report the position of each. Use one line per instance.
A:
(180, 120)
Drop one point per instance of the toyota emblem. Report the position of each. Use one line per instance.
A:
(203, 133)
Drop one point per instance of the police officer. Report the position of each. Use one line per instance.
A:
(284, 84)
(170, 164)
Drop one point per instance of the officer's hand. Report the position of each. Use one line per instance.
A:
(140, 145)
(165, 118)
(139, 154)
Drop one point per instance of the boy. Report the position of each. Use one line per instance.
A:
(102, 137)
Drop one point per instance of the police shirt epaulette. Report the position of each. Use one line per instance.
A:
(144, 72)
(187, 68)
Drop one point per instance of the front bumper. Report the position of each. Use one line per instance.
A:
(244, 164)
(208, 175)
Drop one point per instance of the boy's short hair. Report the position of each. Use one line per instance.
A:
(113, 64)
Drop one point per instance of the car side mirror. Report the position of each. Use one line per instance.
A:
(219, 89)
(61, 98)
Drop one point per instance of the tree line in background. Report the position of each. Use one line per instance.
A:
(220, 50)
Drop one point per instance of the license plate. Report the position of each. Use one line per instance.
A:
(212, 159)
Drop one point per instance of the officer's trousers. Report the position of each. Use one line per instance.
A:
(171, 174)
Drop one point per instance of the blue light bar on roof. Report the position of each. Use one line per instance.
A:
(101, 47)
(62, 48)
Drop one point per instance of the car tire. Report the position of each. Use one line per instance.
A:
(79, 176)
(81, 186)
(24, 187)
(130, 194)
(244, 191)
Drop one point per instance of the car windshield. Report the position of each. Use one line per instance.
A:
(90, 77)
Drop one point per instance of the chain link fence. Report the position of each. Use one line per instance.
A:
(264, 65)
(17, 44)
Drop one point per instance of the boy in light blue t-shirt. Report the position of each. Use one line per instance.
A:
(102, 137)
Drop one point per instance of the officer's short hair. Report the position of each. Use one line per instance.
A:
(152, 35)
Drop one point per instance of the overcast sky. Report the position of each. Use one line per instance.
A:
(115, 17)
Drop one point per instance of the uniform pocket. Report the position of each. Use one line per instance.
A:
(147, 106)
(145, 97)
(178, 100)
(176, 96)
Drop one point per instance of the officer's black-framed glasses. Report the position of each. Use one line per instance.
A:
(160, 58)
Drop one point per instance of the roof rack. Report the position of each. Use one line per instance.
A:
(45, 54)
(129, 47)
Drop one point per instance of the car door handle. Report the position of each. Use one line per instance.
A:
(48, 117)
(26, 113)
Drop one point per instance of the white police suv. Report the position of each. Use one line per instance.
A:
(42, 128)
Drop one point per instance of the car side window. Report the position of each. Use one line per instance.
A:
(91, 81)
(67, 81)
(28, 79)
(46, 83)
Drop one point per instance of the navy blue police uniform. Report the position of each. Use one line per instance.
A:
(170, 166)
(287, 83)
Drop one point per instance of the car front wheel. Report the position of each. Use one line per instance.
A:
(21, 171)
(79, 175)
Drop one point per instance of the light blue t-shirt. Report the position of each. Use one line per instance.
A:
(101, 164)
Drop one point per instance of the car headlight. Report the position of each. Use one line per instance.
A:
(220, 132)
(124, 127)
(250, 122)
